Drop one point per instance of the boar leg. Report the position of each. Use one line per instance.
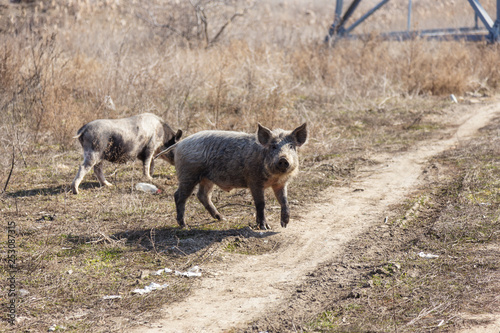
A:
(281, 195)
(260, 204)
(205, 197)
(82, 171)
(147, 165)
(100, 175)
(152, 167)
(89, 160)
(181, 195)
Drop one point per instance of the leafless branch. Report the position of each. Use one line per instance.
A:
(152, 20)
(221, 30)
(11, 168)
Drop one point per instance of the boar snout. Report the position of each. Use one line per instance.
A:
(283, 164)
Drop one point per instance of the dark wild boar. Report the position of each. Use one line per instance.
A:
(122, 140)
(237, 160)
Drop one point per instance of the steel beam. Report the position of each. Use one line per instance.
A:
(482, 14)
(365, 16)
(337, 29)
(408, 21)
(338, 13)
(492, 27)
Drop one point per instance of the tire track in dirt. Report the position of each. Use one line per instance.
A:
(248, 285)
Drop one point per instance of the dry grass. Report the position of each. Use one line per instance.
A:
(390, 288)
(59, 64)
(67, 69)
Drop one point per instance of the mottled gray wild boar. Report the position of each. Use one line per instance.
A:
(122, 140)
(237, 160)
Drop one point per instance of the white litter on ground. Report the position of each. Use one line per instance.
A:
(428, 255)
(161, 271)
(148, 188)
(192, 272)
(111, 297)
(55, 327)
(23, 292)
(152, 286)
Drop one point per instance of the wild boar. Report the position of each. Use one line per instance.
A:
(237, 160)
(122, 140)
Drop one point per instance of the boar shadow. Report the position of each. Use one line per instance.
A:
(184, 241)
(50, 190)
(172, 239)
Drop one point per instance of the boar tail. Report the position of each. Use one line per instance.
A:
(80, 132)
(166, 151)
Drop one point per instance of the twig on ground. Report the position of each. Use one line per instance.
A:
(424, 313)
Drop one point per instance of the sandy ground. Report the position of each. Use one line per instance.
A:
(493, 327)
(245, 287)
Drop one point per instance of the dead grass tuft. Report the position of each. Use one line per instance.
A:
(392, 288)
(61, 65)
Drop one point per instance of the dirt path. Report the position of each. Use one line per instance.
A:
(248, 285)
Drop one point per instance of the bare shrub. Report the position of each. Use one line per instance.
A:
(109, 49)
(485, 65)
(63, 62)
(194, 22)
(438, 67)
(93, 52)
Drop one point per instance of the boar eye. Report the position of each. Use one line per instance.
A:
(274, 146)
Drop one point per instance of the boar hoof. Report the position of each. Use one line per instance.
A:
(264, 226)
(219, 217)
(284, 224)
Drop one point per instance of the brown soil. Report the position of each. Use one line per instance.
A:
(257, 293)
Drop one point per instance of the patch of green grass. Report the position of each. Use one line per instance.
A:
(327, 320)
(237, 246)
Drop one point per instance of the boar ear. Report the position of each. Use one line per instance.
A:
(178, 135)
(300, 134)
(264, 135)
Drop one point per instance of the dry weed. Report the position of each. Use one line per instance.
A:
(61, 63)
(388, 286)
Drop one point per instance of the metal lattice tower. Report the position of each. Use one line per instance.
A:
(340, 29)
